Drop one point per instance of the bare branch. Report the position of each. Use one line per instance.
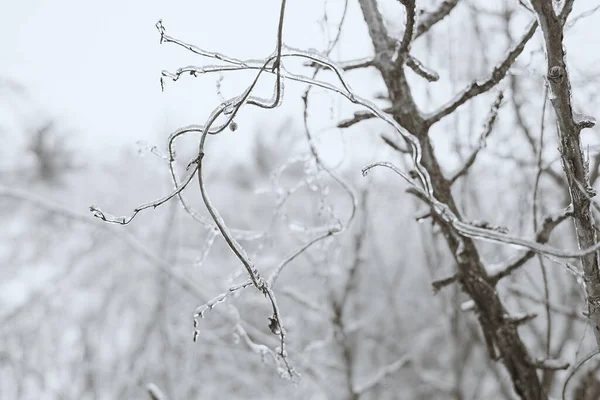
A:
(275, 274)
(477, 88)
(583, 121)
(541, 236)
(209, 305)
(514, 87)
(557, 308)
(356, 64)
(348, 65)
(393, 144)
(360, 116)
(525, 5)
(377, 31)
(427, 20)
(409, 30)
(517, 108)
(489, 125)
(473, 278)
(502, 338)
(551, 365)
(441, 283)
(154, 260)
(259, 349)
(474, 232)
(584, 14)
(234, 104)
(540, 149)
(155, 393)
(104, 216)
(520, 319)
(575, 369)
(574, 164)
(134, 244)
(303, 300)
(566, 10)
(421, 70)
(380, 375)
(231, 108)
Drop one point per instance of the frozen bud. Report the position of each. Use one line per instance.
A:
(591, 192)
(583, 121)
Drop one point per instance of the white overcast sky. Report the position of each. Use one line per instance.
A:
(97, 64)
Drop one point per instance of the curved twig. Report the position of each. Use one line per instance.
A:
(575, 369)
(481, 233)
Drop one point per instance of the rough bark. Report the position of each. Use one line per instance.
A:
(500, 333)
(575, 166)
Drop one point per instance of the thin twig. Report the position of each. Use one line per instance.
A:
(441, 283)
(155, 393)
(154, 260)
(231, 108)
(584, 14)
(393, 144)
(574, 164)
(277, 271)
(575, 369)
(360, 116)
(477, 88)
(559, 309)
(550, 365)
(409, 31)
(535, 223)
(489, 125)
(421, 70)
(209, 305)
(427, 20)
(474, 232)
(380, 375)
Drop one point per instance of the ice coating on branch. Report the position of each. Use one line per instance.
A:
(210, 239)
(583, 121)
(281, 91)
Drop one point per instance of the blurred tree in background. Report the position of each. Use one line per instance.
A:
(472, 102)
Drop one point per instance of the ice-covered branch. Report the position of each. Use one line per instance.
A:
(474, 232)
(489, 125)
(478, 87)
(429, 19)
(155, 393)
(574, 164)
(421, 70)
(409, 30)
(541, 236)
(557, 308)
